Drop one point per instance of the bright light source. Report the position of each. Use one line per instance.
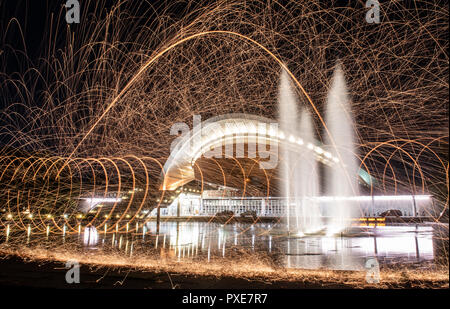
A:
(292, 139)
(262, 129)
(319, 150)
(369, 197)
(94, 201)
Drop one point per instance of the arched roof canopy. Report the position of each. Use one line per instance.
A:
(209, 137)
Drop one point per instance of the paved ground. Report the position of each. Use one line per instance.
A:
(16, 273)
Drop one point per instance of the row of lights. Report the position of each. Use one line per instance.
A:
(273, 133)
(65, 216)
(114, 197)
(30, 216)
(189, 190)
(179, 191)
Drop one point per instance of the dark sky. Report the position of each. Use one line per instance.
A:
(31, 15)
(34, 17)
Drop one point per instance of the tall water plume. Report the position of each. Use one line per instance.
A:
(306, 181)
(288, 119)
(299, 170)
(342, 179)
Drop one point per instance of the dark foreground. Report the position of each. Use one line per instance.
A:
(15, 272)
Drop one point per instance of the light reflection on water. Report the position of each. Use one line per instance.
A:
(388, 244)
(201, 240)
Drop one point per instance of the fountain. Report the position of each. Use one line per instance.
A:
(288, 118)
(306, 183)
(299, 172)
(342, 179)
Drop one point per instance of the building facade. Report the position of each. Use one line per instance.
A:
(365, 206)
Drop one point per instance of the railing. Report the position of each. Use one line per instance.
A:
(364, 206)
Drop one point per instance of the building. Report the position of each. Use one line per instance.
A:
(366, 206)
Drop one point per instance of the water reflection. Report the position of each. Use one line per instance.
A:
(206, 241)
(90, 236)
(389, 244)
